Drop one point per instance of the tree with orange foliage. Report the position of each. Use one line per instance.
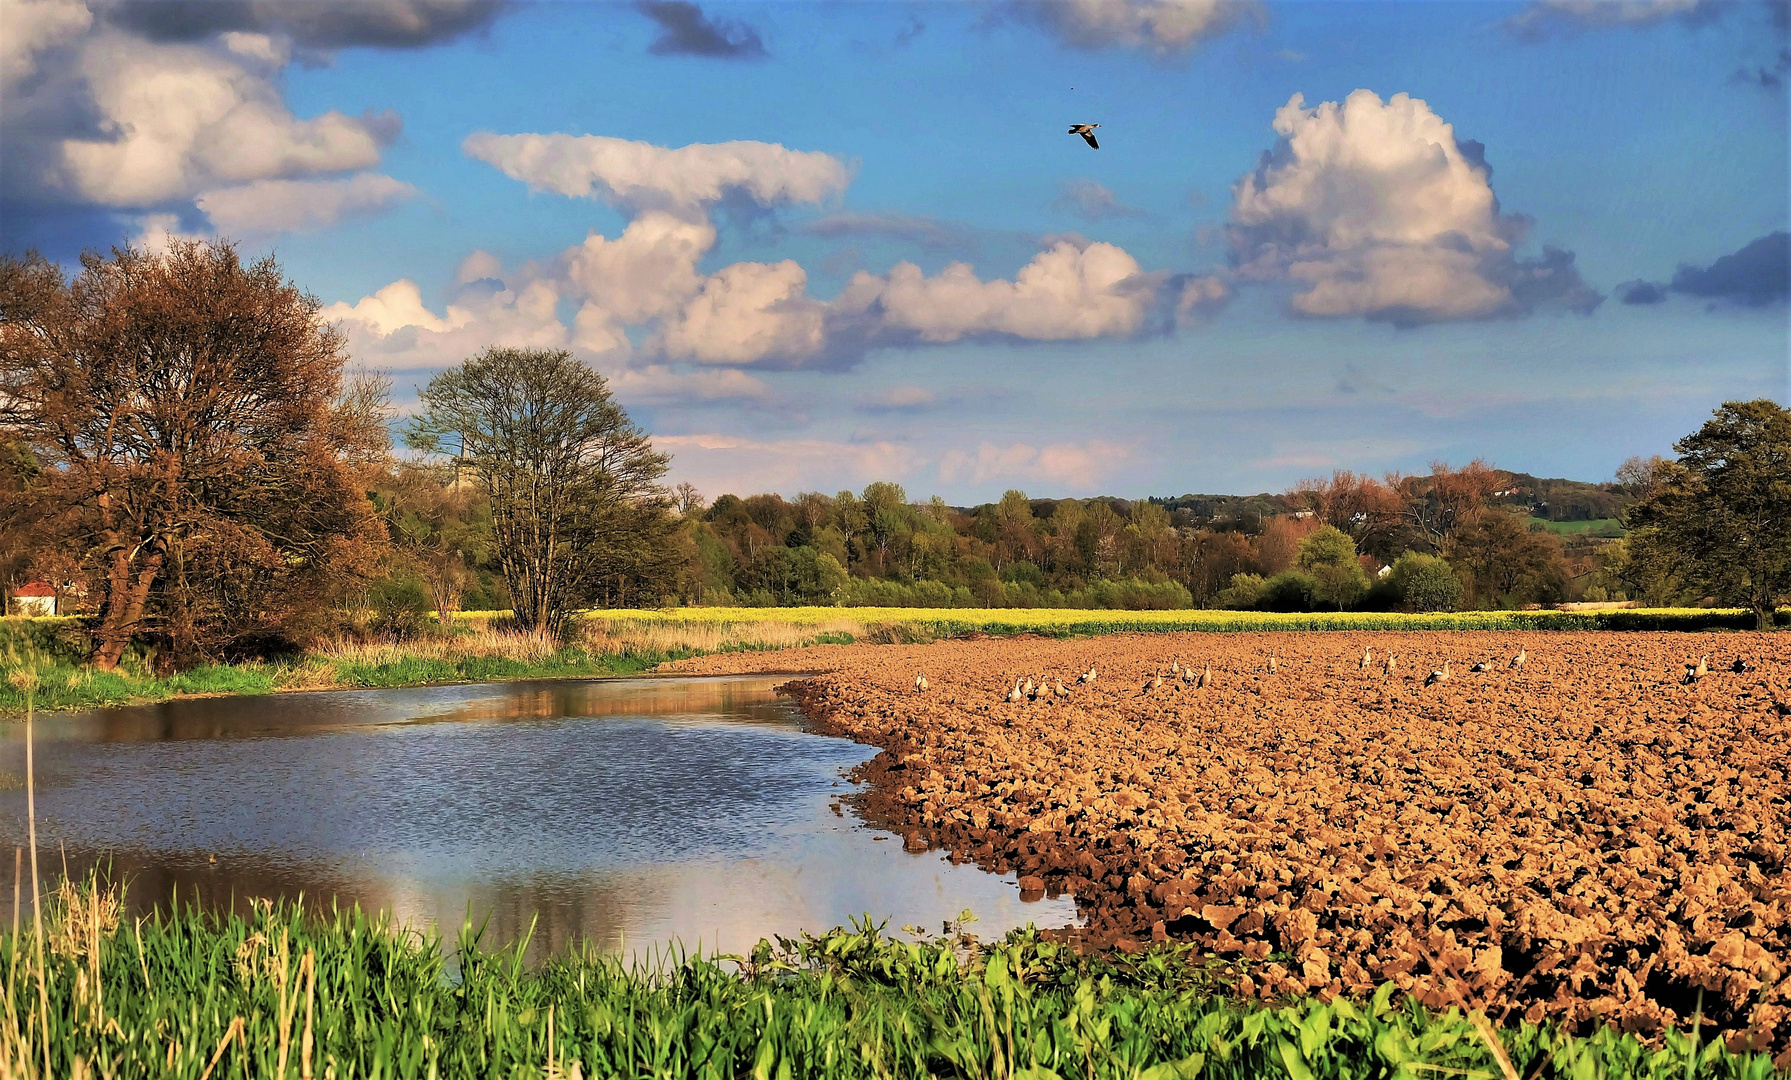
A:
(1368, 510)
(1434, 507)
(198, 445)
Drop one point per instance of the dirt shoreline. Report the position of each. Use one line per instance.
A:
(1588, 839)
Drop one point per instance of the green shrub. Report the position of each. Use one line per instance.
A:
(1425, 582)
(1290, 590)
(399, 604)
(1328, 557)
(1243, 593)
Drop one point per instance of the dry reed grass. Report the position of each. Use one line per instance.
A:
(479, 643)
(672, 636)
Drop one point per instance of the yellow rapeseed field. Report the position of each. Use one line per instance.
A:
(782, 626)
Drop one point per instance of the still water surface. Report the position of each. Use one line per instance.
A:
(631, 813)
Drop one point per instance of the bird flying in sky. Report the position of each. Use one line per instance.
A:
(1087, 133)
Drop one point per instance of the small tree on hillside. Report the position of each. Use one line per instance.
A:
(1722, 511)
(577, 511)
(1329, 556)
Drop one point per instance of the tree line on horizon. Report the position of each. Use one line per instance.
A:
(186, 456)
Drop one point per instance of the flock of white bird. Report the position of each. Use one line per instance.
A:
(1025, 689)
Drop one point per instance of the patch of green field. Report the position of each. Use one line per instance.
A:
(283, 994)
(1603, 527)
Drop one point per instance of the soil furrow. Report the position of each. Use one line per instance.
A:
(1589, 838)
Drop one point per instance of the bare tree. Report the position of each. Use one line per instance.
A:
(1355, 503)
(1642, 476)
(1435, 506)
(687, 499)
(199, 448)
(577, 511)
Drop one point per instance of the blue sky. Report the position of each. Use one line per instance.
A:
(860, 243)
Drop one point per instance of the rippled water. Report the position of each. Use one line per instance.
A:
(628, 812)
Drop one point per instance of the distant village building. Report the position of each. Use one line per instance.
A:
(34, 598)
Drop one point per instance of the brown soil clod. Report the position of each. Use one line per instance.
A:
(1571, 837)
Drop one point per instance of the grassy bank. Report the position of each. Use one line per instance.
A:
(474, 652)
(283, 995)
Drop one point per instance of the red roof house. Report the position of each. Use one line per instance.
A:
(34, 598)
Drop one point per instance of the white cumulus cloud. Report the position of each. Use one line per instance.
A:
(1074, 466)
(645, 304)
(189, 119)
(395, 307)
(30, 27)
(155, 232)
(644, 273)
(1160, 26)
(145, 109)
(1065, 292)
(299, 205)
(1379, 211)
(643, 176)
(659, 382)
(726, 463)
(394, 329)
(1543, 16)
(746, 313)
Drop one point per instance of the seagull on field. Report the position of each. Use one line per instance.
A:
(920, 684)
(1087, 133)
(1440, 675)
(1271, 663)
(1481, 666)
(1367, 657)
(1517, 662)
(1206, 676)
(1087, 676)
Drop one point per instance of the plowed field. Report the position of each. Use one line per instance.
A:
(1589, 838)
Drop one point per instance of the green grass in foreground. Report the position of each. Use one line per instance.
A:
(285, 995)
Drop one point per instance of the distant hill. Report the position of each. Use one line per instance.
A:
(1552, 499)
(1555, 499)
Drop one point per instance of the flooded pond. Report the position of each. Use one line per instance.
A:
(630, 813)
